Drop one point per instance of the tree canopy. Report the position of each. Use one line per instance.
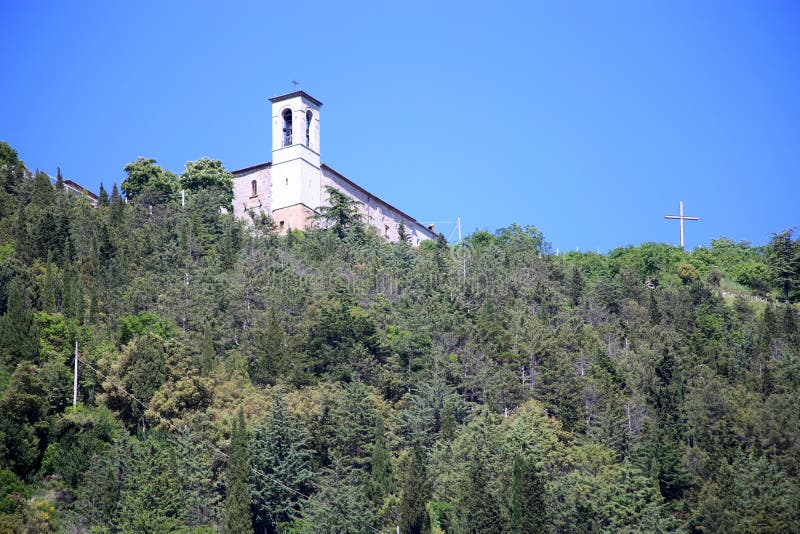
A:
(234, 379)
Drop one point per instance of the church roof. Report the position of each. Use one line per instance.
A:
(287, 96)
(372, 195)
(251, 168)
(78, 188)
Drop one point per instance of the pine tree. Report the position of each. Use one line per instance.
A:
(152, 500)
(342, 213)
(238, 499)
(280, 467)
(19, 333)
(200, 487)
(339, 505)
(477, 509)
(783, 258)
(99, 498)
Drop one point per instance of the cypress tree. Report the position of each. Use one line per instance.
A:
(19, 333)
(238, 499)
(576, 285)
(476, 507)
(59, 180)
(402, 233)
(42, 195)
(528, 513)
(117, 207)
(448, 423)
(22, 246)
(380, 482)
(49, 286)
(653, 311)
(414, 517)
(102, 196)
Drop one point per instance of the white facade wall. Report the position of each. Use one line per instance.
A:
(295, 182)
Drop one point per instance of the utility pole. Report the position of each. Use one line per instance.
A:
(183, 198)
(681, 217)
(463, 256)
(75, 378)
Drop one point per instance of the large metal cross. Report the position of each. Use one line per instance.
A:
(682, 218)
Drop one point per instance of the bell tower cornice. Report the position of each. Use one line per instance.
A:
(288, 96)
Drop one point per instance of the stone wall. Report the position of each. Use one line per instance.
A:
(243, 199)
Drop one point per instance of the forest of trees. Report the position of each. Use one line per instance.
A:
(236, 380)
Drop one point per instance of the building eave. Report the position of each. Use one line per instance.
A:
(252, 168)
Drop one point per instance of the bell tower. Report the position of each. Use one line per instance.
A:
(295, 173)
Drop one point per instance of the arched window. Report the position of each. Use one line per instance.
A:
(287, 127)
(254, 187)
(309, 116)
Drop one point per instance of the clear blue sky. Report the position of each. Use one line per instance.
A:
(589, 120)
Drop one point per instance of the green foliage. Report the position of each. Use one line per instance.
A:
(12, 490)
(107, 477)
(23, 412)
(143, 323)
(148, 179)
(8, 156)
(207, 173)
(135, 377)
(76, 436)
(753, 274)
(687, 272)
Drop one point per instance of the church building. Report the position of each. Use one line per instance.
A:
(292, 186)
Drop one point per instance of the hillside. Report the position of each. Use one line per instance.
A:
(328, 381)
